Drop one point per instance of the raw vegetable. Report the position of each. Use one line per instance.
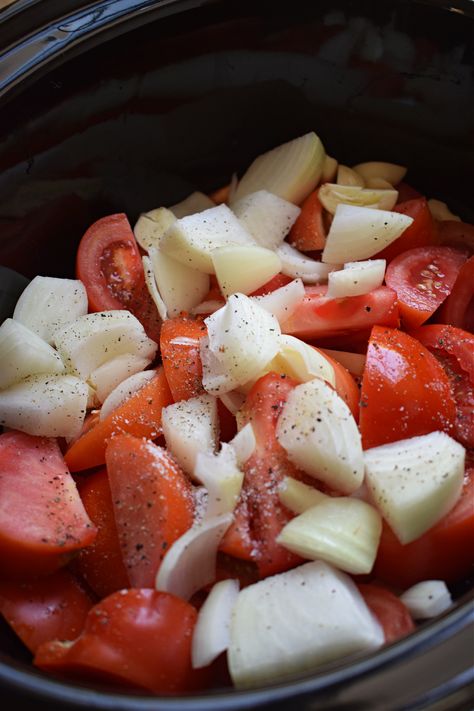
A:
(244, 268)
(427, 599)
(212, 632)
(333, 196)
(24, 353)
(267, 217)
(356, 279)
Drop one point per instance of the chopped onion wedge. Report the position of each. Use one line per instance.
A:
(192, 239)
(356, 279)
(301, 361)
(332, 195)
(295, 264)
(244, 444)
(244, 268)
(190, 426)
(320, 435)
(190, 563)
(283, 301)
(379, 184)
(222, 478)
(290, 171)
(232, 400)
(180, 287)
(427, 599)
(152, 288)
(109, 375)
(360, 232)
(299, 497)
(196, 202)
(94, 339)
(211, 634)
(329, 169)
(49, 304)
(124, 390)
(354, 362)
(415, 482)
(45, 405)
(340, 530)
(294, 622)
(347, 176)
(440, 211)
(267, 217)
(151, 226)
(23, 353)
(243, 338)
(390, 172)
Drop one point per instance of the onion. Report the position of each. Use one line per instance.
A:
(124, 390)
(244, 444)
(295, 264)
(180, 287)
(152, 288)
(298, 497)
(356, 279)
(151, 226)
(347, 176)
(440, 211)
(267, 217)
(300, 361)
(427, 599)
(222, 478)
(390, 172)
(23, 353)
(232, 400)
(283, 301)
(244, 268)
(196, 202)
(332, 195)
(207, 307)
(211, 634)
(329, 169)
(109, 375)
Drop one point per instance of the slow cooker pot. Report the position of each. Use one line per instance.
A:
(124, 105)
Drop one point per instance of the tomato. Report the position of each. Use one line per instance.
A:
(275, 283)
(100, 564)
(152, 501)
(458, 309)
(407, 192)
(445, 552)
(179, 345)
(391, 613)
(42, 519)
(138, 638)
(421, 233)
(109, 265)
(54, 607)
(319, 317)
(405, 391)
(346, 386)
(454, 349)
(259, 515)
(456, 234)
(309, 231)
(422, 279)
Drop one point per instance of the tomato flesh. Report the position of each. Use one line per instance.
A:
(389, 610)
(458, 310)
(421, 233)
(308, 232)
(179, 345)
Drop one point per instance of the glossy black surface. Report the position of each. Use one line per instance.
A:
(128, 105)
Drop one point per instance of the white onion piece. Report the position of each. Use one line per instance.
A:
(427, 599)
(190, 426)
(299, 497)
(415, 482)
(440, 211)
(360, 232)
(152, 288)
(267, 217)
(191, 239)
(49, 304)
(301, 361)
(211, 635)
(109, 375)
(124, 390)
(320, 435)
(379, 184)
(243, 338)
(356, 279)
(390, 172)
(347, 176)
(196, 202)
(340, 530)
(207, 307)
(23, 353)
(92, 340)
(332, 195)
(294, 622)
(296, 264)
(283, 301)
(290, 171)
(222, 477)
(329, 169)
(180, 287)
(233, 401)
(45, 405)
(190, 563)
(354, 362)
(244, 444)
(151, 226)
(244, 268)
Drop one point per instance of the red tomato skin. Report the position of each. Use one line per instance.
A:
(308, 232)
(54, 607)
(391, 613)
(421, 233)
(137, 638)
(422, 279)
(445, 552)
(458, 309)
(406, 193)
(275, 283)
(405, 391)
(453, 233)
(42, 522)
(180, 352)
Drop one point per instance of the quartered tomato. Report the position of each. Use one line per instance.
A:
(422, 279)
(458, 309)
(276, 283)
(389, 610)
(454, 233)
(421, 233)
(309, 231)
(110, 266)
(179, 345)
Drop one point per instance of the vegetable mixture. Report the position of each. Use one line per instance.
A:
(239, 445)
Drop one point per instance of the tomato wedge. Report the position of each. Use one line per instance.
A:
(422, 279)
(453, 233)
(109, 265)
(153, 504)
(421, 233)
(405, 391)
(42, 519)
(54, 607)
(137, 638)
(309, 231)
(389, 610)
(275, 283)
(458, 310)
(179, 345)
